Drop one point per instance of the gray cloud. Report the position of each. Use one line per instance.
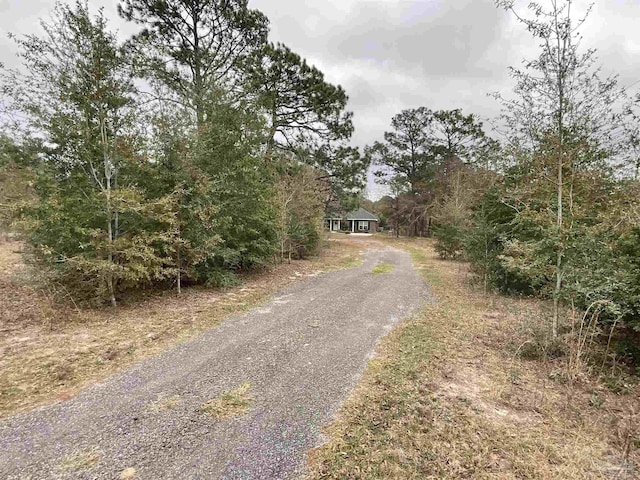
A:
(437, 41)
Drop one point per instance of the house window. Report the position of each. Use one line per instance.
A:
(363, 225)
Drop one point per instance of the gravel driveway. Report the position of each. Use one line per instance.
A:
(302, 353)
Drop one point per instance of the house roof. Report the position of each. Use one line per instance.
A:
(361, 214)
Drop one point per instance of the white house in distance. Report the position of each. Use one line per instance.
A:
(358, 221)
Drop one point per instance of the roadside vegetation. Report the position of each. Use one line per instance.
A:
(166, 403)
(151, 186)
(455, 392)
(51, 350)
(188, 154)
(552, 211)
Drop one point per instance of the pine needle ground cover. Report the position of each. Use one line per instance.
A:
(448, 397)
(50, 351)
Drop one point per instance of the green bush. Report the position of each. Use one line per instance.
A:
(449, 241)
(304, 238)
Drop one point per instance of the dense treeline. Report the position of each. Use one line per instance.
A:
(187, 153)
(422, 161)
(554, 210)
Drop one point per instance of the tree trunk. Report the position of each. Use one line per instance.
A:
(559, 220)
(561, 64)
(558, 287)
(197, 70)
(271, 141)
(108, 174)
(283, 232)
(486, 263)
(110, 285)
(179, 279)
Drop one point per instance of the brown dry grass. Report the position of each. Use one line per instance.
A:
(448, 398)
(80, 461)
(128, 474)
(167, 403)
(48, 351)
(230, 404)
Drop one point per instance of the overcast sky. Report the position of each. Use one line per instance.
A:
(395, 54)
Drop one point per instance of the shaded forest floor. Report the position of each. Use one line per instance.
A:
(49, 351)
(450, 396)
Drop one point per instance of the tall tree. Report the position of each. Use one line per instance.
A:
(78, 91)
(306, 117)
(561, 118)
(426, 150)
(193, 46)
(459, 142)
(458, 135)
(301, 107)
(343, 171)
(408, 149)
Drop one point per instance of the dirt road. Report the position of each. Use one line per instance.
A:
(302, 353)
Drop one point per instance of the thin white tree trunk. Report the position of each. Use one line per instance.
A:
(108, 173)
(179, 279)
(561, 60)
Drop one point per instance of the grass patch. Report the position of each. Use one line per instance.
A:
(234, 403)
(350, 261)
(382, 268)
(447, 398)
(80, 461)
(128, 474)
(163, 404)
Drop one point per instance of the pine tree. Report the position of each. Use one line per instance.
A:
(194, 47)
